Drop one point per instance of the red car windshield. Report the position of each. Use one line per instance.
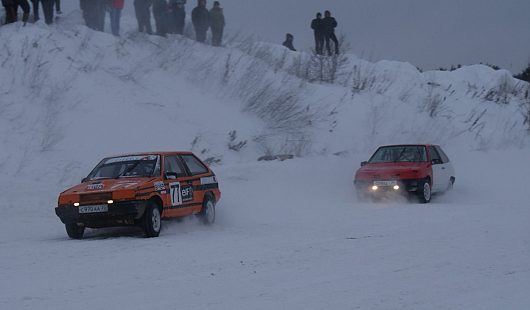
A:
(399, 153)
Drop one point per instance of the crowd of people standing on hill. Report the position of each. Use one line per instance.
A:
(48, 7)
(324, 32)
(169, 16)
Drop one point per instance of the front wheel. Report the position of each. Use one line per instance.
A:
(152, 220)
(75, 231)
(424, 191)
(207, 214)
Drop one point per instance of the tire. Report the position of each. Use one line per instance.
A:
(424, 191)
(207, 214)
(152, 220)
(451, 184)
(75, 231)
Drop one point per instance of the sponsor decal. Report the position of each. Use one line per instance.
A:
(159, 186)
(95, 186)
(130, 158)
(180, 194)
(208, 180)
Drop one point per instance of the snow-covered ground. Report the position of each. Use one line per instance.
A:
(289, 235)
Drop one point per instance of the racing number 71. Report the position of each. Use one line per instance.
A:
(176, 195)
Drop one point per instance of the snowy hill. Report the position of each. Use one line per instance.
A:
(288, 235)
(69, 93)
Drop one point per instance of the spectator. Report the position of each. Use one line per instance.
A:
(289, 42)
(58, 7)
(47, 9)
(329, 25)
(35, 4)
(143, 15)
(116, 6)
(217, 23)
(100, 11)
(11, 7)
(318, 30)
(177, 17)
(94, 13)
(200, 17)
(160, 13)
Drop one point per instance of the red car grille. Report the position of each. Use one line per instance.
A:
(99, 197)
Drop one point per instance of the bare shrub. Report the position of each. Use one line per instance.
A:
(504, 91)
(233, 144)
(362, 78)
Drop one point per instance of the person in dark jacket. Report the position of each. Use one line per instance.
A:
(289, 42)
(329, 24)
(11, 7)
(58, 7)
(200, 17)
(177, 17)
(143, 15)
(87, 6)
(161, 14)
(318, 29)
(100, 13)
(35, 4)
(94, 13)
(116, 6)
(47, 9)
(217, 23)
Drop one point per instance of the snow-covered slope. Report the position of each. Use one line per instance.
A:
(70, 95)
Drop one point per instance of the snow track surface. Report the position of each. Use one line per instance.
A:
(289, 235)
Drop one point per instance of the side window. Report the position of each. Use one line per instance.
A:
(435, 158)
(444, 157)
(173, 166)
(194, 165)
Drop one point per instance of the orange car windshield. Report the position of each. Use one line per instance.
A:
(126, 166)
(392, 154)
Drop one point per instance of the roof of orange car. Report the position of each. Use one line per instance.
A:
(153, 153)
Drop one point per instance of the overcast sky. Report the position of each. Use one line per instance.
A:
(426, 33)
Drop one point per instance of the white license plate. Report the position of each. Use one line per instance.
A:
(94, 209)
(385, 183)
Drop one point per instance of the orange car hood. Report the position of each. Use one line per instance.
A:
(108, 185)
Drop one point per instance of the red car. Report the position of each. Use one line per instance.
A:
(422, 169)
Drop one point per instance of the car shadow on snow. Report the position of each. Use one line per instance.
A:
(174, 226)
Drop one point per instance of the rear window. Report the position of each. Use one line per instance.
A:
(399, 153)
(194, 165)
(444, 157)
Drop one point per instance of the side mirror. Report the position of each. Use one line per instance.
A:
(84, 180)
(436, 162)
(364, 163)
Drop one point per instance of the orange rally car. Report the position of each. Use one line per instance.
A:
(140, 189)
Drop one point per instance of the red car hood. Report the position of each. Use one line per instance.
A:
(390, 171)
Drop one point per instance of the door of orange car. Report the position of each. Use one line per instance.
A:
(180, 198)
(199, 174)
